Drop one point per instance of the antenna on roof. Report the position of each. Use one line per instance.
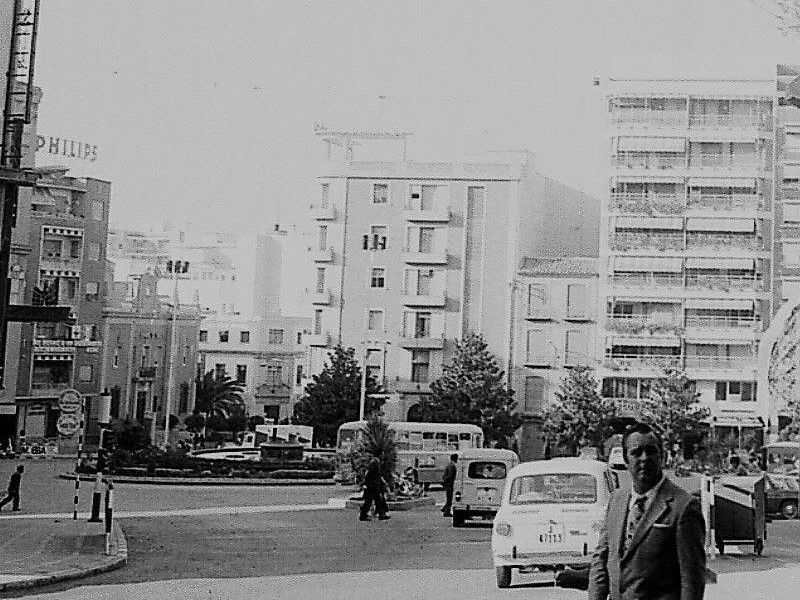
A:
(349, 139)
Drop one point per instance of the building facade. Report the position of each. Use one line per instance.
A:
(68, 230)
(555, 329)
(136, 357)
(266, 356)
(409, 257)
(687, 245)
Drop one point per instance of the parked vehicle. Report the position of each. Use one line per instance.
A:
(616, 459)
(480, 479)
(782, 495)
(550, 515)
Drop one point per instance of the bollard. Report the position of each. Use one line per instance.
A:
(109, 513)
(96, 497)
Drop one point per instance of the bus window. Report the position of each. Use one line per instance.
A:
(478, 441)
(428, 440)
(452, 441)
(465, 441)
(441, 440)
(415, 440)
(346, 438)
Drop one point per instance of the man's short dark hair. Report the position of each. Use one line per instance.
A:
(21, 468)
(642, 428)
(454, 457)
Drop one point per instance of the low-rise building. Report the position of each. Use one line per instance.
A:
(555, 314)
(137, 353)
(265, 355)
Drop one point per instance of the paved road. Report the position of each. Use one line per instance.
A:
(43, 492)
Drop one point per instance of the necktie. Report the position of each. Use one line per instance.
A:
(635, 515)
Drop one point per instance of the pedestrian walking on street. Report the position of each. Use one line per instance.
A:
(448, 481)
(373, 492)
(652, 542)
(13, 489)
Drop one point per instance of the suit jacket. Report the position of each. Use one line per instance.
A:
(449, 475)
(666, 558)
(13, 483)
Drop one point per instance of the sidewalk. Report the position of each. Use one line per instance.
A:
(43, 551)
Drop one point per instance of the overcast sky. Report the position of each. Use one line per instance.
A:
(204, 110)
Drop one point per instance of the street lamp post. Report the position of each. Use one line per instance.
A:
(174, 267)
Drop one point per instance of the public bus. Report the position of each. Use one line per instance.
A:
(781, 457)
(426, 447)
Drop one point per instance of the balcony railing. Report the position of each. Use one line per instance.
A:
(48, 388)
(648, 118)
(723, 202)
(721, 161)
(642, 325)
(647, 241)
(726, 283)
(731, 121)
(721, 362)
(723, 241)
(646, 204)
(723, 321)
(646, 280)
(649, 160)
(626, 362)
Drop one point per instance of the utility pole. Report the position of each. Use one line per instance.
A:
(173, 267)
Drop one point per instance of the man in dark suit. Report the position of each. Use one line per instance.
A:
(651, 546)
(448, 482)
(13, 489)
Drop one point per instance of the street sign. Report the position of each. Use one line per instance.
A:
(69, 401)
(68, 424)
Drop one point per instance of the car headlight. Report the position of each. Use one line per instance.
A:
(502, 528)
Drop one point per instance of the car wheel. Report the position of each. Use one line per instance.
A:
(458, 518)
(789, 509)
(503, 576)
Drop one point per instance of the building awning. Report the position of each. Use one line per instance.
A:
(737, 182)
(747, 264)
(698, 224)
(655, 144)
(649, 179)
(650, 264)
(741, 420)
(649, 222)
(662, 299)
(43, 356)
(660, 342)
(719, 304)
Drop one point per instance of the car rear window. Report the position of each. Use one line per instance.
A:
(486, 470)
(554, 488)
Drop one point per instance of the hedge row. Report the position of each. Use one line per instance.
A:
(245, 473)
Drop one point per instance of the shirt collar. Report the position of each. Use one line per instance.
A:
(649, 494)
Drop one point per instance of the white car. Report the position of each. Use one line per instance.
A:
(616, 459)
(550, 515)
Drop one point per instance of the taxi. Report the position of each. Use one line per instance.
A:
(550, 515)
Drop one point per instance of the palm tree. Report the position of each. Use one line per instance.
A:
(377, 441)
(221, 397)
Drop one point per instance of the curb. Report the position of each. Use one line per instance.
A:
(398, 505)
(108, 563)
(203, 480)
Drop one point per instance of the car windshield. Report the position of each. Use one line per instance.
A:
(554, 488)
(486, 470)
(786, 484)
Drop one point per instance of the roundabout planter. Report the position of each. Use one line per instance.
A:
(405, 504)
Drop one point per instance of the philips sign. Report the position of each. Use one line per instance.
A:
(68, 148)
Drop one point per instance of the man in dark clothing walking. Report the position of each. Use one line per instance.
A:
(13, 489)
(448, 481)
(373, 492)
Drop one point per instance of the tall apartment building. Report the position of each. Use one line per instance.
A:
(68, 230)
(687, 245)
(409, 257)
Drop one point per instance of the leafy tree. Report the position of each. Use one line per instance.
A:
(472, 390)
(130, 435)
(195, 422)
(333, 396)
(579, 416)
(377, 441)
(217, 396)
(673, 406)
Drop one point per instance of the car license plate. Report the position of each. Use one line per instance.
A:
(486, 494)
(552, 534)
